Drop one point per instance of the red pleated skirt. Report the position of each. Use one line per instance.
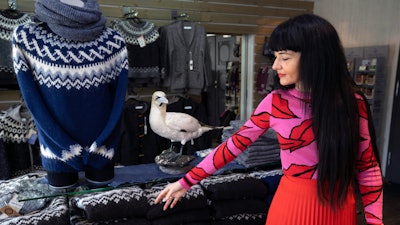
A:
(296, 203)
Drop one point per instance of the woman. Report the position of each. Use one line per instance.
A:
(323, 129)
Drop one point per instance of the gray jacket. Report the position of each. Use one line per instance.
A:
(186, 57)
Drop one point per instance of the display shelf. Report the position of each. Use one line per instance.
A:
(370, 77)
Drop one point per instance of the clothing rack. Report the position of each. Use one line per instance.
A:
(149, 96)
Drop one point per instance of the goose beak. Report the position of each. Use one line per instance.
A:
(161, 100)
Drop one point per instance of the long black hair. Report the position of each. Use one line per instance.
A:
(323, 74)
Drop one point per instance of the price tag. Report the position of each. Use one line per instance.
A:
(191, 64)
(15, 204)
(9, 211)
(190, 60)
(142, 42)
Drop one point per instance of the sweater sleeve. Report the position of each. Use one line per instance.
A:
(67, 147)
(256, 126)
(368, 172)
(117, 107)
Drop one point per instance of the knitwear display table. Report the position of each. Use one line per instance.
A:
(126, 176)
(129, 199)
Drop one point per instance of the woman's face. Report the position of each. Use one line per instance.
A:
(286, 65)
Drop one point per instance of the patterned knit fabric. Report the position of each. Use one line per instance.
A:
(33, 212)
(237, 204)
(8, 22)
(242, 219)
(75, 92)
(15, 124)
(132, 31)
(143, 46)
(193, 200)
(56, 213)
(115, 204)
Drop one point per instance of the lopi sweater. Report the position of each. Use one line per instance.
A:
(75, 91)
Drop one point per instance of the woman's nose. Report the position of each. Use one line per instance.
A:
(276, 65)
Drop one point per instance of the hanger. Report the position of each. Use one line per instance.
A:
(175, 16)
(11, 12)
(183, 16)
(132, 15)
(12, 4)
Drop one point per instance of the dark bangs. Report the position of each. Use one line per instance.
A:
(287, 36)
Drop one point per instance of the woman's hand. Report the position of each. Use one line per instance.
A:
(171, 194)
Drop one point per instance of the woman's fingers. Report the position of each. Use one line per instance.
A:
(162, 196)
(174, 201)
(170, 195)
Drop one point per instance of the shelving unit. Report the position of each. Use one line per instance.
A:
(370, 76)
(368, 67)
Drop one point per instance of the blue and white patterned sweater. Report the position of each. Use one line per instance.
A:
(75, 92)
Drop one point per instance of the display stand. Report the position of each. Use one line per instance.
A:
(368, 67)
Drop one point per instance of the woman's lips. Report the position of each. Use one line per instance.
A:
(281, 75)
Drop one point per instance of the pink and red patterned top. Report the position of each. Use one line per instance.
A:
(283, 111)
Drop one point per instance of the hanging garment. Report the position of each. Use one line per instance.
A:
(9, 20)
(265, 81)
(16, 124)
(262, 80)
(143, 44)
(139, 144)
(186, 57)
(19, 149)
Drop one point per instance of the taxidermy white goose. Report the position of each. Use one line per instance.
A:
(176, 126)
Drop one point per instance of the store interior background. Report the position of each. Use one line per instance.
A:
(359, 23)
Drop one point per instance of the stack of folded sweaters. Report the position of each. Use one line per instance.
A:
(224, 199)
(135, 205)
(271, 179)
(191, 209)
(118, 206)
(39, 211)
(265, 150)
(236, 199)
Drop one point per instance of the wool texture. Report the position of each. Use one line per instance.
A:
(242, 219)
(75, 92)
(187, 217)
(8, 22)
(15, 124)
(194, 199)
(225, 208)
(219, 187)
(72, 22)
(40, 211)
(144, 55)
(115, 204)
